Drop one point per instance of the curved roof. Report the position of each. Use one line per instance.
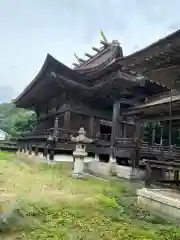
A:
(49, 62)
(108, 60)
(158, 61)
(153, 48)
(85, 75)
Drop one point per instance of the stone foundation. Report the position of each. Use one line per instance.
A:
(91, 165)
(109, 169)
(160, 201)
(99, 168)
(128, 172)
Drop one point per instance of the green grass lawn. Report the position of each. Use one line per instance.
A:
(47, 203)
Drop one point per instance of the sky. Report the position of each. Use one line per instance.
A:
(29, 29)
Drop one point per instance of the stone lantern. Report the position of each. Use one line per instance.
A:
(80, 152)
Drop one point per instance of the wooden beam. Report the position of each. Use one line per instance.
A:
(129, 101)
(159, 118)
(96, 49)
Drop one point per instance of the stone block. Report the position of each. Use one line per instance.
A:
(160, 201)
(127, 172)
(99, 168)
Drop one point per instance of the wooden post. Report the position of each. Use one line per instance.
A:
(115, 124)
(55, 132)
(170, 122)
(51, 155)
(138, 132)
(20, 148)
(153, 134)
(36, 151)
(148, 175)
(176, 177)
(161, 135)
(91, 126)
(24, 148)
(67, 116)
(45, 152)
(30, 149)
(138, 129)
(125, 129)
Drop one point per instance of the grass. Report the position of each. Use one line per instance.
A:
(41, 201)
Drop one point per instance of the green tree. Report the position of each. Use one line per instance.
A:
(22, 122)
(16, 120)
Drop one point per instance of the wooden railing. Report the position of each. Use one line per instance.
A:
(8, 145)
(60, 132)
(105, 139)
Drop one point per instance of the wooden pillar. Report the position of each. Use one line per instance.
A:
(148, 175)
(97, 127)
(176, 177)
(20, 148)
(115, 124)
(170, 133)
(45, 150)
(25, 148)
(115, 121)
(153, 133)
(170, 122)
(161, 135)
(67, 116)
(125, 129)
(51, 155)
(91, 126)
(36, 151)
(30, 149)
(56, 125)
(138, 130)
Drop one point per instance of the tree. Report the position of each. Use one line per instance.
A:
(22, 123)
(16, 120)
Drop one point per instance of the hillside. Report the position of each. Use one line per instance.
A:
(15, 120)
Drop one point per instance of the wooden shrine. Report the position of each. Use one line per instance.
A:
(100, 94)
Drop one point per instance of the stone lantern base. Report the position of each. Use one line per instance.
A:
(79, 164)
